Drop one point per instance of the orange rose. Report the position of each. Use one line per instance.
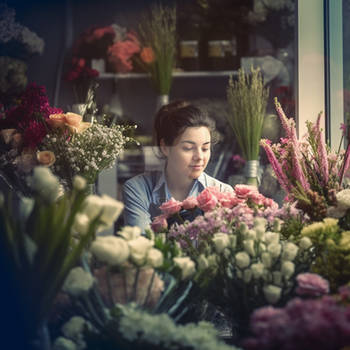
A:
(73, 119)
(80, 128)
(46, 158)
(57, 120)
(147, 55)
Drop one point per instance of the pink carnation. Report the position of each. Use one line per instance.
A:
(311, 284)
(207, 200)
(170, 207)
(159, 223)
(243, 191)
(190, 203)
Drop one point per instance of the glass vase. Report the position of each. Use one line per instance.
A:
(41, 339)
(251, 172)
(161, 101)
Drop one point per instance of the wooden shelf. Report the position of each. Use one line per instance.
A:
(193, 74)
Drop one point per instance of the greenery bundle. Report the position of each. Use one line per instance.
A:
(158, 32)
(247, 97)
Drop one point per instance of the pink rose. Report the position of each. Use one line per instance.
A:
(207, 200)
(190, 203)
(159, 223)
(244, 191)
(311, 284)
(170, 207)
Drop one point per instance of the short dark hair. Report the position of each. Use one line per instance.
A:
(172, 120)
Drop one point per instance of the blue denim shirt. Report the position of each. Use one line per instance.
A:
(144, 193)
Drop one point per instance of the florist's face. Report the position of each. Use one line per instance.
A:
(190, 153)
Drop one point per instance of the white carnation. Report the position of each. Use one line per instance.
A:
(154, 258)
(139, 248)
(242, 260)
(186, 265)
(78, 282)
(130, 232)
(110, 249)
(221, 241)
(290, 251)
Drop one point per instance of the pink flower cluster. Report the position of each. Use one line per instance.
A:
(220, 209)
(322, 324)
(311, 284)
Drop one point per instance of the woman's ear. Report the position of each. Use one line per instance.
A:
(164, 148)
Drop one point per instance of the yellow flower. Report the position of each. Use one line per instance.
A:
(313, 230)
(345, 240)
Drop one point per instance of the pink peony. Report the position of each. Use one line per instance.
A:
(159, 223)
(207, 200)
(311, 284)
(170, 207)
(190, 203)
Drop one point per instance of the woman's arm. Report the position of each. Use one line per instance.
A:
(136, 211)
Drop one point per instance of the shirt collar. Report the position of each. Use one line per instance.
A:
(162, 181)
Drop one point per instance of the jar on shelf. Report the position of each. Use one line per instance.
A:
(222, 53)
(190, 34)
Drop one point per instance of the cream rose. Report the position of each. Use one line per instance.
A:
(57, 120)
(187, 266)
(221, 241)
(46, 158)
(78, 282)
(139, 248)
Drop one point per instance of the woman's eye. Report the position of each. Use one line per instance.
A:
(187, 148)
(205, 149)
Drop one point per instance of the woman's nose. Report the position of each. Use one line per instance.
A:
(198, 154)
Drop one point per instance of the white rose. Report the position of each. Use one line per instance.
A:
(247, 275)
(274, 249)
(187, 267)
(277, 278)
(212, 260)
(202, 262)
(257, 270)
(81, 224)
(130, 232)
(305, 243)
(242, 260)
(73, 329)
(248, 245)
(343, 199)
(287, 269)
(78, 282)
(79, 183)
(154, 258)
(290, 251)
(250, 234)
(266, 259)
(45, 184)
(139, 248)
(272, 237)
(221, 241)
(62, 343)
(272, 293)
(110, 249)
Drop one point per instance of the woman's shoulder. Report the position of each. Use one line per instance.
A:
(211, 181)
(144, 180)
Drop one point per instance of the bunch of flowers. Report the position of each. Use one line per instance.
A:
(120, 53)
(16, 40)
(321, 323)
(94, 42)
(308, 171)
(130, 327)
(22, 129)
(40, 262)
(81, 76)
(221, 212)
(158, 37)
(81, 147)
(332, 250)
(247, 98)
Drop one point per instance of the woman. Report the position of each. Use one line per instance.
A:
(184, 135)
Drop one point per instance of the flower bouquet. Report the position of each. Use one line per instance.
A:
(126, 295)
(308, 171)
(37, 241)
(304, 323)
(247, 98)
(158, 38)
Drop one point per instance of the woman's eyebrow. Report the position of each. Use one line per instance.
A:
(193, 143)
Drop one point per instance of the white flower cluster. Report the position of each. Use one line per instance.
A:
(130, 246)
(10, 31)
(86, 153)
(13, 75)
(160, 330)
(342, 206)
(258, 257)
